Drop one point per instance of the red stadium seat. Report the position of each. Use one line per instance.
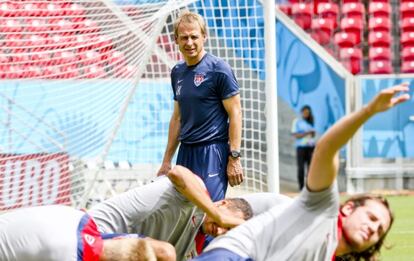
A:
(344, 39)
(302, 14)
(350, 53)
(379, 9)
(354, 66)
(406, 10)
(94, 71)
(10, 25)
(287, 9)
(8, 9)
(353, 25)
(351, 1)
(54, 9)
(407, 54)
(328, 11)
(353, 10)
(380, 67)
(69, 71)
(379, 24)
(408, 24)
(407, 67)
(73, 9)
(407, 39)
(379, 39)
(379, 53)
(41, 58)
(323, 28)
(32, 9)
(37, 25)
(351, 58)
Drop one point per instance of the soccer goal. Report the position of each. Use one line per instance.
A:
(86, 97)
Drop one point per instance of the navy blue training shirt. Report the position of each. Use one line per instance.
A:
(199, 90)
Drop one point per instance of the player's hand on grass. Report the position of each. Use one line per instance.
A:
(386, 99)
(234, 171)
(165, 167)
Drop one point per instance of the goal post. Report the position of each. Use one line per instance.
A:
(86, 97)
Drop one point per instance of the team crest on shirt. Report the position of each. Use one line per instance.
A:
(89, 239)
(198, 79)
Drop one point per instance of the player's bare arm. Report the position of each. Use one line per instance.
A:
(234, 168)
(193, 188)
(173, 134)
(325, 161)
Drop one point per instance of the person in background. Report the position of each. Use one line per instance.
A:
(304, 133)
(207, 117)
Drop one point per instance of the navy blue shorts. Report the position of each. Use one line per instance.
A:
(209, 162)
(220, 254)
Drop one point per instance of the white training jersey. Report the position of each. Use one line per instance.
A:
(45, 233)
(263, 201)
(156, 210)
(306, 229)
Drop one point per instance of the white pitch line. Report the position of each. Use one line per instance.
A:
(404, 232)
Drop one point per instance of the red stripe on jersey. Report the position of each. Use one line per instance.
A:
(339, 229)
(90, 243)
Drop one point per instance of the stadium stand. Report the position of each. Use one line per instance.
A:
(80, 49)
(382, 30)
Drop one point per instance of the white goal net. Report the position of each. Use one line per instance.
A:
(86, 99)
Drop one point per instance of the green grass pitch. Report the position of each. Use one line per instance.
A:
(401, 236)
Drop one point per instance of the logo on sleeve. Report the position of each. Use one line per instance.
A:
(198, 79)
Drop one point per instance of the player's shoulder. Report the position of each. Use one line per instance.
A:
(218, 63)
(181, 65)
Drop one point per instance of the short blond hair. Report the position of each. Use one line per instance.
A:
(190, 17)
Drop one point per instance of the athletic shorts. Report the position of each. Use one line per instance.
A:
(220, 254)
(209, 162)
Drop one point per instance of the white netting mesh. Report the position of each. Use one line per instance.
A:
(85, 93)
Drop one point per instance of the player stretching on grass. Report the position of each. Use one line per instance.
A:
(61, 233)
(311, 227)
(166, 210)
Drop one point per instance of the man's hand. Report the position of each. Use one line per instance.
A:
(228, 221)
(165, 167)
(386, 100)
(234, 171)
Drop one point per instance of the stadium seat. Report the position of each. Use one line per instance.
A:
(344, 39)
(353, 25)
(379, 9)
(407, 54)
(406, 10)
(323, 28)
(54, 9)
(354, 66)
(69, 71)
(32, 9)
(350, 53)
(379, 39)
(407, 39)
(353, 10)
(302, 14)
(408, 24)
(285, 8)
(407, 67)
(9, 25)
(379, 24)
(328, 11)
(36, 25)
(94, 71)
(40, 58)
(73, 9)
(380, 67)
(8, 9)
(379, 53)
